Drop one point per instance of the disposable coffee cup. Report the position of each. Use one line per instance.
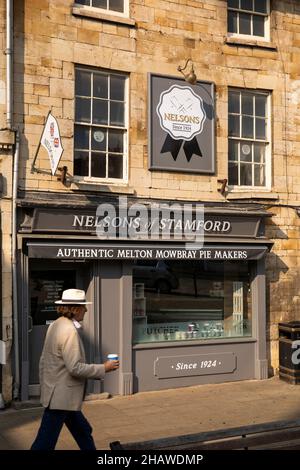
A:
(112, 357)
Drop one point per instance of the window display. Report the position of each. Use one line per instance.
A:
(179, 301)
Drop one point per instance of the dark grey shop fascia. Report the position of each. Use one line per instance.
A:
(64, 250)
(217, 223)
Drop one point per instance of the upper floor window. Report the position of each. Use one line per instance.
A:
(109, 5)
(249, 139)
(249, 17)
(100, 133)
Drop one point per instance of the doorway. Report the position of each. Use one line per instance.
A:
(47, 280)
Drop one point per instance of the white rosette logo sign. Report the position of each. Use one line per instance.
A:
(181, 115)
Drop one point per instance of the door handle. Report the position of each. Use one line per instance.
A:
(30, 322)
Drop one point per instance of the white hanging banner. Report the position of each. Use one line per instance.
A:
(52, 142)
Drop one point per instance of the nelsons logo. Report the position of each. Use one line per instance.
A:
(182, 115)
(181, 112)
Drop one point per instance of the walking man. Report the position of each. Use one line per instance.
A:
(63, 375)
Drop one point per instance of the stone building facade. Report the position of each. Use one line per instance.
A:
(54, 40)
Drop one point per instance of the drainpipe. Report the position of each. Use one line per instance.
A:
(14, 268)
(9, 114)
(9, 122)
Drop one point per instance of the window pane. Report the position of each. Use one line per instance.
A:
(259, 153)
(83, 110)
(116, 5)
(247, 104)
(245, 174)
(218, 305)
(246, 4)
(98, 139)
(82, 83)
(258, 25)
(81, 136)
(81, 163)
(83, 2)
(233, 3)
(260, 128)
(234, 126)
(100, 3)
(100, 112)
(117, 88)
(115, 166)
(233, 174)
(100, 86)
(234, 102)
(98, 165)
(259, 175)
(244, 23)
(232, 21)
(115, 141)
(247, 127)
(260, 105)
(260, 6)
(246, 152)
(117, 114)
(233, 150)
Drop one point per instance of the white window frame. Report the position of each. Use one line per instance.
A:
(266, 36)
(90, 8)
(93, 179)
(268, 146)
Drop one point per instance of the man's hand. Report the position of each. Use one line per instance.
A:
(111, 365)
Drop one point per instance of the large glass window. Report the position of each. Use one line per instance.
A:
(186, 301)
(110, 5)
(248, 134)
(100, 134)
(248, 17)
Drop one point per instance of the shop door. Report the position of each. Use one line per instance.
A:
(45, 287)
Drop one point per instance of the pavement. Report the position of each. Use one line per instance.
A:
(153, 415)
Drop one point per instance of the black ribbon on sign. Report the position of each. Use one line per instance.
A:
(190, 147)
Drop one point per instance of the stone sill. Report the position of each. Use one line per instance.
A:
(100, 187)
(237, 41)
(252, 195)
(195, 342)
(89, 12)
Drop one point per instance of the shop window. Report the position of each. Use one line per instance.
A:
(100, 133)
(248, 139)
(114, 6)
(248, 18)
(186, 301)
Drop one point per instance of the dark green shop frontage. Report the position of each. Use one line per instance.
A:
(178, 314)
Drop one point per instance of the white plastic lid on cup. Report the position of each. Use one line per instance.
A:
(112, 357)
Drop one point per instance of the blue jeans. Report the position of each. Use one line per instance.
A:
(52, 423)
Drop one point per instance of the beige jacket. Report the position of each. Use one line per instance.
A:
(63, 370)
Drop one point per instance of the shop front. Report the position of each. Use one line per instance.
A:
(177, 313)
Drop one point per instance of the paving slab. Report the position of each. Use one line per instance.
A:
(151, 415)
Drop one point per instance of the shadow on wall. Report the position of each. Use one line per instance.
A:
(282, 287)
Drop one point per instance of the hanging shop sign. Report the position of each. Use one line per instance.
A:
(181, 125)
(51, 141)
